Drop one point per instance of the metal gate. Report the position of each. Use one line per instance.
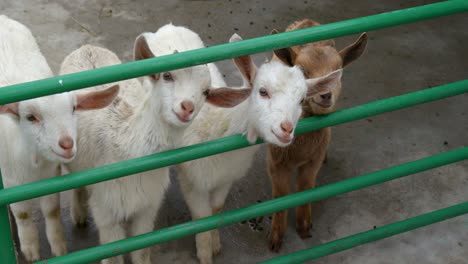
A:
(225, 51)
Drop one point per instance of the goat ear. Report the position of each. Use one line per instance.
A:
(97, 99)
(235, 38)
(10, 109)
(142, 51)
(355, 50)
(245, 65)
(226, 97)
(286, 55)
(252, 135)
(324, 84)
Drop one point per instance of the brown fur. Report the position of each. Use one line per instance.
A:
(306, 23)
(308, 151)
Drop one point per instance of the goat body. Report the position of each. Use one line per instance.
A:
(308, 151)
(147, 117)
(36, 135)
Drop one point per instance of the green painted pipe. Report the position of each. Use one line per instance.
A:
(175, 156)
(264, 208)
(371, 235)
(84, 79)
(7, 249)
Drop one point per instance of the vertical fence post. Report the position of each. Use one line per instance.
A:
(7, 249)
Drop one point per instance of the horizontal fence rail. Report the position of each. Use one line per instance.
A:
(371, 235)
(264, 208)
(130, 70)
(171, 157)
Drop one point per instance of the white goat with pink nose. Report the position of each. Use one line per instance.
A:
(149, 116)
(271, 112)
(37, 135)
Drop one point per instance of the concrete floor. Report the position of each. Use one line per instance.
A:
(398, 60)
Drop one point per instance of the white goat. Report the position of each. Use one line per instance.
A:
(147, 117)
(271, 113)
(36, 135)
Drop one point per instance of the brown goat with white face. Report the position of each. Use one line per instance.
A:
(308, 151)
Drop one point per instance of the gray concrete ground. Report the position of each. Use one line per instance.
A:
(398, 60)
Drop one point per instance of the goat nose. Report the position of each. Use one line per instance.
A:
(326, 96)
(287, 127)
(66, 143)
(187, 106)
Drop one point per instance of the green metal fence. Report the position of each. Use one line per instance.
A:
(190, 58)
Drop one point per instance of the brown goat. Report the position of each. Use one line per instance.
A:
(308, 151)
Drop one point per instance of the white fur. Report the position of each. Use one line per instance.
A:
(28, 151)
(143, 122)
(205, 183)
(189, 83)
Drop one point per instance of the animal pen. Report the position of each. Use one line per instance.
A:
(225, 51)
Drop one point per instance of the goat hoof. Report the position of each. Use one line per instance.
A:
(78, 218)
(276, 241)
(80, 222)
(215, 242)
(304, 234)
(216, 247)
(83, 224)
(59, 249)
(31, 253)
(303, 230)
(206, 260)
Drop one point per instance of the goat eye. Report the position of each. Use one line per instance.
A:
(74, 109)
(167, 76)
(31, 118)
(302, 101)
(263, 92)
(304, 71)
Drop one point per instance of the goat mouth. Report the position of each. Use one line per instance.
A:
(65, 156)
(322, 104)
(181, 119)
(283, 140)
